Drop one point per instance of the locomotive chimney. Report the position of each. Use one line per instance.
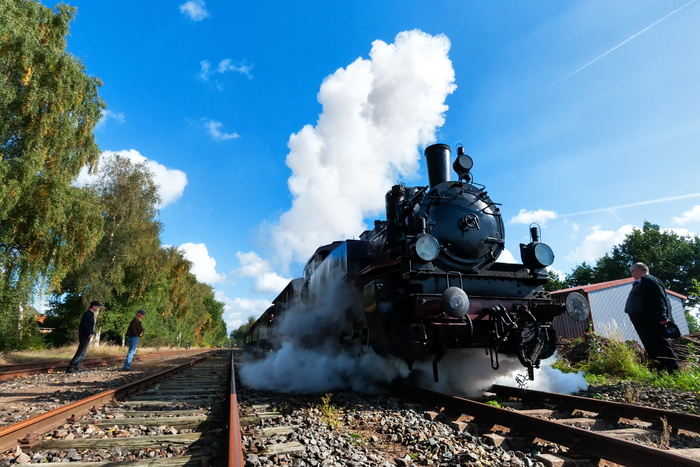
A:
(437, 159)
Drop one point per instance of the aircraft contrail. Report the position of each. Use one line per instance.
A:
(626, 41)
(641, 203)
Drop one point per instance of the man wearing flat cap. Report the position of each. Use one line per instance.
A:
(85, 333)
(133, 333)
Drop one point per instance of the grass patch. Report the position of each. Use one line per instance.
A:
(356, 438)
(328, 412)
(605, 360)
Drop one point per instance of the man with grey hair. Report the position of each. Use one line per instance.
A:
(649, 310)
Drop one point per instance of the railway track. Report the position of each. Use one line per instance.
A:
(25, 369)
(182, 416)
(583, 429)
(179, 416)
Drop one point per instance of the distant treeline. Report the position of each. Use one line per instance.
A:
(73, 244)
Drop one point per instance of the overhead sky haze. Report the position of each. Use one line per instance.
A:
(273, 128)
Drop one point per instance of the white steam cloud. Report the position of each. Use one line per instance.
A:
(293, 369)
(310, 357)
(377, 113)
(468, 372)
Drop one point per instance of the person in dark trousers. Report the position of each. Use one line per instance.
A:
(85, 333)
(133, 333)
(649, 310)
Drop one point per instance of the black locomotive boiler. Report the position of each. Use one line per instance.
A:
(426, 279)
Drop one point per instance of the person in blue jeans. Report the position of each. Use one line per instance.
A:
(133, 333)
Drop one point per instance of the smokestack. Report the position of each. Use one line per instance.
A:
(437, 159)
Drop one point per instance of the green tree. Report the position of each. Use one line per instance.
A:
(582, 274)
(115, 273)
(673, 258)
(186, 310)
(554, 282)
(214, 333)
(48, 109)
(238, 335)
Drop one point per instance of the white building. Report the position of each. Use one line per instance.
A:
(607, 317)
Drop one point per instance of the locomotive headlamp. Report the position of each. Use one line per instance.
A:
(543, 254)
(427, 247)
(536, 255)
(577, 306)
(463, 164)
(455, 302)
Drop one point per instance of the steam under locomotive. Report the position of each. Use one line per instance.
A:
(426, 279)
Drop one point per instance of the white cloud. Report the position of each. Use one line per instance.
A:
(109, 115)
(239, 67)
(507, 257)
(203, 265)
(541, 216)
(688, 217)
(225, 65)
(680, 232)
(376, 114)
(238, 310)
(266, 280)
(195, 9)
(204, 69)
(214, 130)
(574, 229)
(171, 182)
(597, 243)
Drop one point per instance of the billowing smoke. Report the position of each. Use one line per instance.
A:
(377, 116)
(547, 379)
(316, 350)
(468, 372)
(311, 371)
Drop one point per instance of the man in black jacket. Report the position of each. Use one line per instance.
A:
(85, 332)
(649, 310)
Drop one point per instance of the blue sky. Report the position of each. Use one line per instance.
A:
(273, 127)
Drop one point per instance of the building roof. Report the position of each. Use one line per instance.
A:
(606, 285)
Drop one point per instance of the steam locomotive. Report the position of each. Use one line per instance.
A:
(426, 279)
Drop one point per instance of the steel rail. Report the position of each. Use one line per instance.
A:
(11, 435)
(606, 409)
(591, 443)
(235, 433)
